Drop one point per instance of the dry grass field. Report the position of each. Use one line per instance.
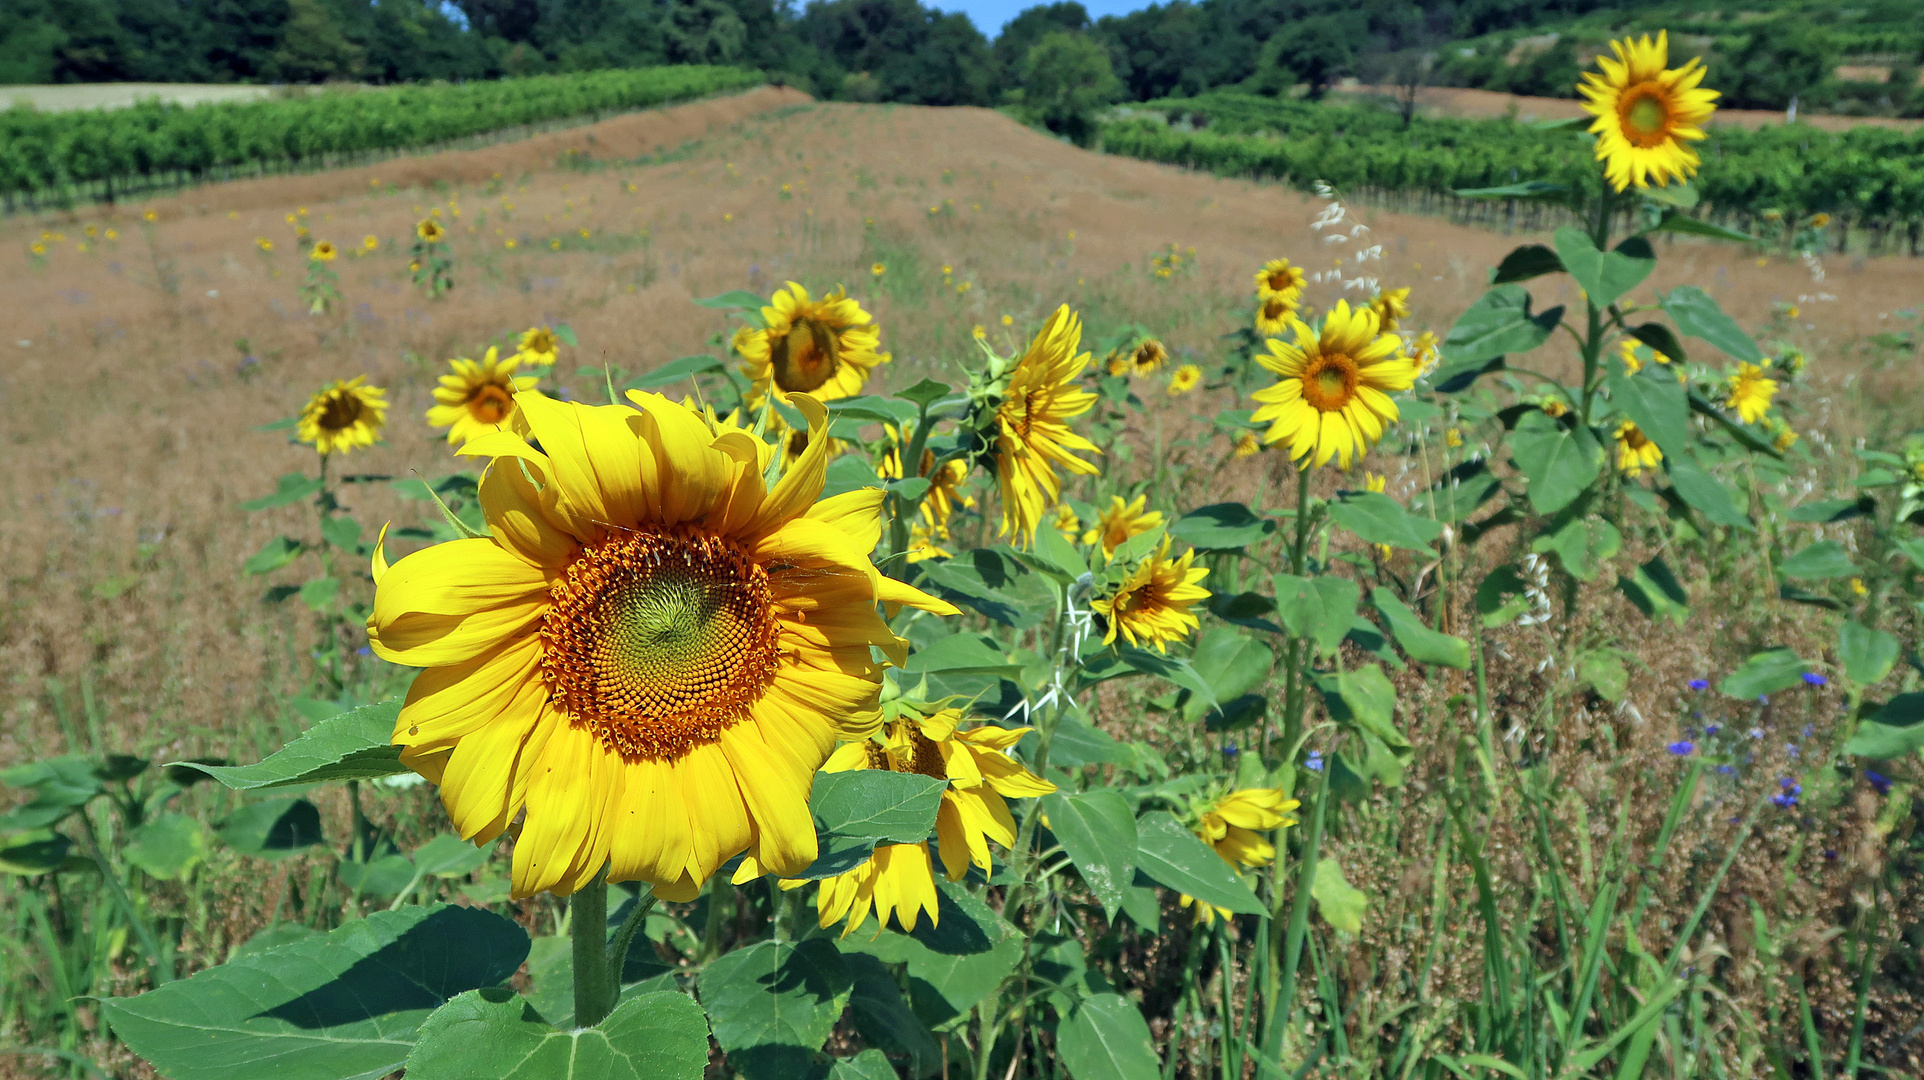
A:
(137, 368)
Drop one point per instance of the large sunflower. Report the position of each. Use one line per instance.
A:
(822, 347)
(1151, 606)
(1332, 399)
(1646, 114)
(1121, 521)
(477, 397)
(1279, 278)
(650, 653)
(899, 879)
(343, 416)
(1033, 425)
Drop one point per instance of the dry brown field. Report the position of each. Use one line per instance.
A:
(137, 369)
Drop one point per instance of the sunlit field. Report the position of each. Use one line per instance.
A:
(1553, 713)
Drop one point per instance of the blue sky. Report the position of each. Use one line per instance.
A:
(989, 15)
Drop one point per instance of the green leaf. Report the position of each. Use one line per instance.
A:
(1499, 324)
(318, 593)
(1603, 671)
(1825, 511)
(1056, 556)
(1174, 858)
(1680, 194)
(1106, 1038)
(1659, 337)
(1231, 662)
(275, 554)
(773, 1004)
(733, 299)
(1379, 519)
(870, 409)
(1823, 559)
(1363, 697)
(1454, 378)
(166, 846)
(873, 804)
(293, 488)
(1221, 527)
(1097, 830)
(870, 1064)
(1702, 491)
(1868, 655)
(384, 876)
(1764, 673)
(1458, 493)
(1542, 190)
(1605, 276)
(352, 746)
(1501, 596)
(342, 532)
(848, 473)
(1422, 644)
(35, 853)
(884, 1018)
(1654, 402)
(1656, 591)
(1896, 730)
(1339, 903)
(496, 1033)
(963, 652)
(1696, 314)
(925, 393)
(449, 856)
(1526, 262)
(674, 371)
(954, 962)
(342, 1005)
(1320, 608)
(1582, 544)
(1675, 221)
(1560, 461)
(273, 829)
(60, 785)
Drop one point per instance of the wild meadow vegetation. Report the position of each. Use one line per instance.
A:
(1534, 696)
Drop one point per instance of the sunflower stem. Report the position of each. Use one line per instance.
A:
(588, 929)
(1298, 919)
(618, 948)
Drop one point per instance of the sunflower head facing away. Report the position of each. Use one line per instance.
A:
(344, 416)
(1391, 306)
(822, 347)
(1646, 114)
(477, 397)
(1332, 397)
(974, 810)
(322, 252)
(650, 653)
(1121, 521)
(539, 347)
(1032, 425)
(1279, 278)
(1232, 825)
(1635, 451)
(429, 230)
(1151, 606)
(1750, 392)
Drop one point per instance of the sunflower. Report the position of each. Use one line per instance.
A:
(429, 230)
(1248, 445)
(1232, 826)
(1033, 433)
(981, 777)
(1635, 451)
(539, 347)
(1121, 521)
(477, 397)
(322, 252)
(822, 347)
(1750, 392)
(945, 486)
(343, 416)
(1151, 606)
(1275, 313)
(1646, 114)
(1426, 353)
(1279, 278)
(651, 652)
(1184, 379)
(1066, 522)
(1147, 357)
(925, 543)
(370, 242)
(1391, 306)
(1331, 400)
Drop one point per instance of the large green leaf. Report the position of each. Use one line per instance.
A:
(953, 962)
(774, 1003)
(341, 1006)
(1701, 490)
(889, 807)
(1175, 858)
(1675, 221)
(870, 1064)
(1097, 830)
(1868, 654)
(1221, 527)
(1339, 903)
(1605, 276)
(1105, 1038)
(1319, 608)
(167, 845)
(293, 488)
(1379, 519)
(1526, 262)
(1896, 730)
(1820, 560)
(1498, 324)
(356, 745)
(673, 371)
(273, 555)
(496, 1034)
(962, 652)
(1764, 673)
(1458, 493)
(884, 1017)
(1363, 696)
(1231, 662)
(1655, 591)
(1696, 314)
(60, 785)
(1423, 644)
(1654, 402)
(272, 829)
(1560, 461)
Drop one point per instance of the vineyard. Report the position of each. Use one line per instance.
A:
(1867, 182)
(102, 153)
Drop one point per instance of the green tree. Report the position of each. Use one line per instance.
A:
(1316, 50)
(1066, 80)
(702, 32)
(312, 47)
(1780, 63)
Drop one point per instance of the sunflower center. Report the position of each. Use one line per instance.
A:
(343, 411)
(659, 641)
(1281, 280)
(1329, 382)
(1646, 115)
(490, 403)
(1635, 439)
(805, 357)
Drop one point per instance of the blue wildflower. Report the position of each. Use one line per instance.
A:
(1811, 678)
(1700, 684)
(1711, 730)
(1763, 699)
(364, 651)
(1682, 747)
(1314, 763)
(1787, 798)
(1726, 769)
(1879, 781)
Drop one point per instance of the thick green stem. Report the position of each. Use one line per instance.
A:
(1299, 649)
(595, 985)
(1298, 922)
